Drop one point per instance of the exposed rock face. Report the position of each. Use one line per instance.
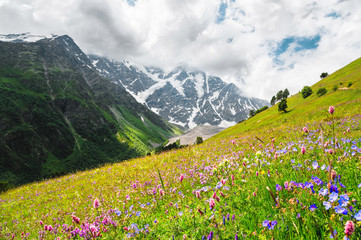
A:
(57, 114)
(187, 98)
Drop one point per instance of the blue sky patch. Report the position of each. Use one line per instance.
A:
(302, 43)
(132, 2)
(333, 15)
(222, 12)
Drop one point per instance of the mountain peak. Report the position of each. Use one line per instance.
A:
(25, 37)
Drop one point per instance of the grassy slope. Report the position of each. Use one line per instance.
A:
(133, 187)
(313, 108)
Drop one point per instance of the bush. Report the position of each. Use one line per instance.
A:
(321, 91)
(199, 140)
(335, 87)
(306, 91)
(349, 84)
(323, 75)
(261, 110)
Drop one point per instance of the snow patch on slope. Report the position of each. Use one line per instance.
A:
(199, 81)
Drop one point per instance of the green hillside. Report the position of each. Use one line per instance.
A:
(57, 115)
(265, 178)
(313, 108)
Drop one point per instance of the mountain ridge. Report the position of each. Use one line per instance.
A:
(185, 97)
(59, 115)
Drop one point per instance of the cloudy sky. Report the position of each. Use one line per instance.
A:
(261, 45)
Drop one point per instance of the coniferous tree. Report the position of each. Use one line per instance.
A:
(273, 100)
(282, 106)
(286, 93)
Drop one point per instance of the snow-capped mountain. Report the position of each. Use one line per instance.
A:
(187, 98)
(25, 37)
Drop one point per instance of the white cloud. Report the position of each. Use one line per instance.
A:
(239, 49)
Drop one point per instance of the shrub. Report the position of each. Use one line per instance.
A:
(199, 140)
(323, 75)
(261, 110)
(335, 87)
(321, 91)
(349, 84)
(306, 91)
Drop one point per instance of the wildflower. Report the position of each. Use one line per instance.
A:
(333, 197)
(333, 174)
(315, 165)
(313, 207)
(75, 219)
(200, 211)
(305, 129)
(303, 150)
(333, 234)
(359, 185)
(349, 228)
(212, 204)
(358, 216)
(331, 110)
(327, 205)
(210, 236)
(278, 187)
(330, 151)
(181, 177)
(269, 224)
(198, 194)
(341, 210)
(343, 200)
(96, 203)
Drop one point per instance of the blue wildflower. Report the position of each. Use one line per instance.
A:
(333, 197)
(327, 205)
(341, 210)
(334, 234)
(315, 165)
(343, 200)
(359, 185)
(323, 191)
(278, 187)
(358, 216)
(313, 207)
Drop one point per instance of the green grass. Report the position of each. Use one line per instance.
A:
(254, 172)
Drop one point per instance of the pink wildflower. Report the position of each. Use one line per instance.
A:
(75, 219)
(198, 194)
(181, 177)
(257, 173)
(254, 194)
(305, 129)
(200, 211)
(96, 203)
(331, 110)
(41, 222)
(330, 151)
(349, 228)
(126, 229)
(212, 203)
(348, 129)
(303, 150)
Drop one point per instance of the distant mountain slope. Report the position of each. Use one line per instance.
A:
(57, 114)
(188, 98)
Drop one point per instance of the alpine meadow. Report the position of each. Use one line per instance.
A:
(292, 174)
